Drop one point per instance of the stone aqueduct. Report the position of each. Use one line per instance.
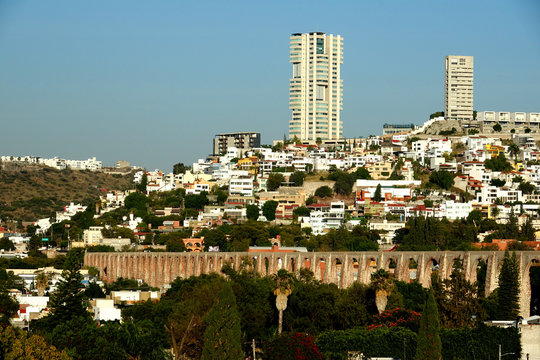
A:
(341, 268)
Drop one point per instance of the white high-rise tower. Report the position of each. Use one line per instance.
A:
(458, 87)
(316, 88)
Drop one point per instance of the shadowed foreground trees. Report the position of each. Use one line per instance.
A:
(222, 337)
(429, 345)
(508, 293)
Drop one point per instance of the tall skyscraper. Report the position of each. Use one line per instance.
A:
(316, 88)
(458, 88)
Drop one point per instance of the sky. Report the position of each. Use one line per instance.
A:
(152, 82)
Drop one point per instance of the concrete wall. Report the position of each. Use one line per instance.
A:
(530, 341)
(341, 268)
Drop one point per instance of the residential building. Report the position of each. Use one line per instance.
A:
(93, 236)
(241, 186)
(239, 140)
(380, 170)
(316, 87)
(458, 88)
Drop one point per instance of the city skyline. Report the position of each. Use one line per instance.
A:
(103, 80)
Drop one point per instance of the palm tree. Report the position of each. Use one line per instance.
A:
(383, 285)
(283, 280)
(42, 282)
(514, 150)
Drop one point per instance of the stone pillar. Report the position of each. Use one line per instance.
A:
(525, 284)
(492, 273)
(421, 271)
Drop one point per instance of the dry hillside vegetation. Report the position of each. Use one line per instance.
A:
(29, 192)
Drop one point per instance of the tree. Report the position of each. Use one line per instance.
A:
(458, 301)
(498, 163)
(248, 234)
(301, 211)
(377, 196)
(436, 114)
(344, 183)
(35, 243)
(214, 237)
(283, 280)
(6, 244)
(179, 168)
(194, 201)
(497, 182)
(252, 212)
(67, 302)
(274, 181)
(514, 150)
(527, 187)
(497, 127)
(16, 344)
(528, 232)
(324, 191)
(8, 305)
(297, 178)
(136, 202)
(175, 245)
(269, 209)
(429, 346)
(142, 185)
(508, 293)
(362, 173)
(42, 282)
(223, 334)
(442, 178)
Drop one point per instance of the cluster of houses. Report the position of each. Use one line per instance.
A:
(395, 164)
(58, 163)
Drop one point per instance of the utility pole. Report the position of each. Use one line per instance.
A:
(253, 347)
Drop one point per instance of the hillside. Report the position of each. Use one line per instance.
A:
(29, 192)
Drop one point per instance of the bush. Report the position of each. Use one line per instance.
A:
(293, 346)
(481, 342)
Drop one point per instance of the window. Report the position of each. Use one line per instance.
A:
(320, 46)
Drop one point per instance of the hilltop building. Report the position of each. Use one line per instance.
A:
(316, 88)
(458, 88)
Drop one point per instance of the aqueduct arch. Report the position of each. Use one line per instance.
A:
(341, 268)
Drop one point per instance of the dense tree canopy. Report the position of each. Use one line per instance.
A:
(323, 191)
(274, 181)
(442, 178)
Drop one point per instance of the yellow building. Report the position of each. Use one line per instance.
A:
(249, 164)
(380, 170)
(494, 150)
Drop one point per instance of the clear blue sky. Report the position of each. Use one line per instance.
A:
(151, 82)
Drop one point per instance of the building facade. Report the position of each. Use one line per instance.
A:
(239, 140)
(316, 88)
(458, 88)
(389, 129)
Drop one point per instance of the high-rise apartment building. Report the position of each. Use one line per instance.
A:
(458, 88)
(316, 88)
(240, 140)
